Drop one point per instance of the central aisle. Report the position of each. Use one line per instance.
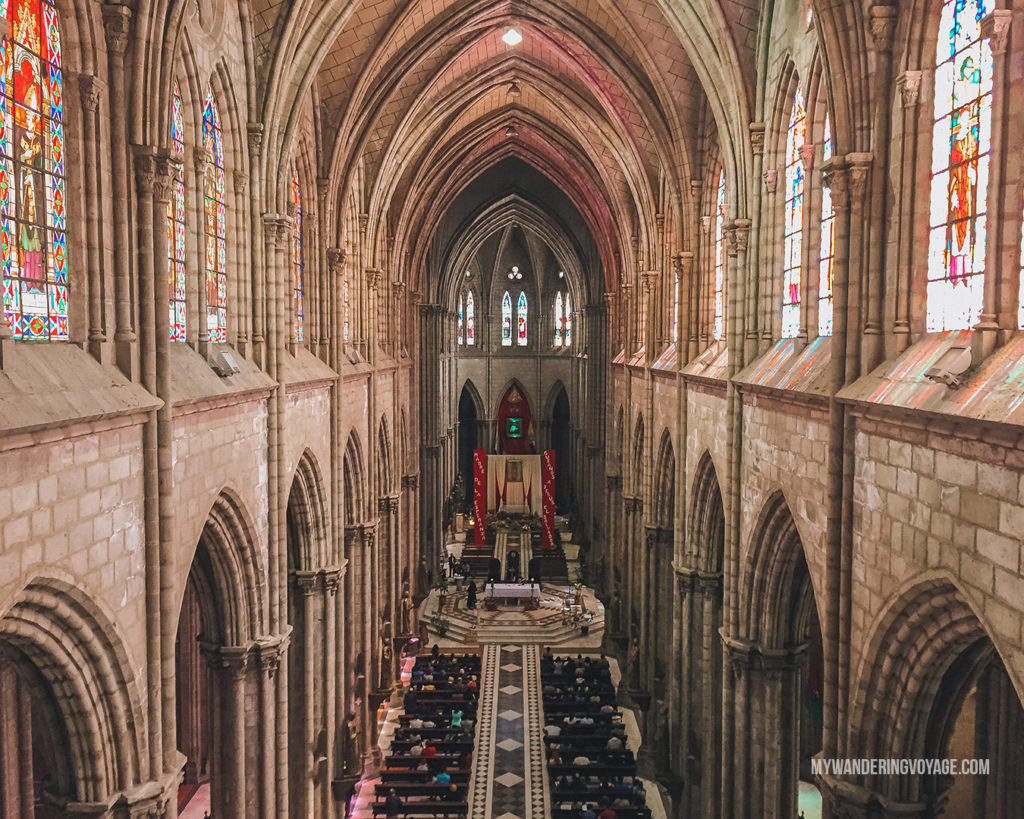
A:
(509, 775)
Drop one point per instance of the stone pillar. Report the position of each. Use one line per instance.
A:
(268, 658)
(909, 85)
(259, 305)
(310, 583)
(996, 313)
(240, 285)
(90, 89)
(117, 24)
(882, 24)
(750, 311)
(232, 752)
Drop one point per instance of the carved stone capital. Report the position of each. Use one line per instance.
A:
(649, 279)
(909, 85)
(364, 221)
(308, 581)
(771, 180)
(323, 184)
(705, 223)
(860, 168)
(235, 660)
(741, 229)
(410, 482)
(271, 222)
(203, 157)
(90, 88)
(757, 130)
(336, 259)
(837, 179)
(241, 180)
(807, 156)
(165, 170)
(268, 654)
(373, 277)
(996, 27)
(254, 132)
(882, 25)
(145, 171)
(117, 26)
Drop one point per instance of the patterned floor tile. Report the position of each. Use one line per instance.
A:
(510, 745)
(510, 715)
(508, 779)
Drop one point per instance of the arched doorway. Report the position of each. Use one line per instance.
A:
(935, 687)
(561, 442)
(468, 439)
(777, 669)
(218, 670)
(35, 763)
(312, 585)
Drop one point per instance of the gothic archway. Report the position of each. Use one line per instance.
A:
(561, 443)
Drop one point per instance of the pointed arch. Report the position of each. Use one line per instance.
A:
(637, 456)
(355, 481)
(927, 651)
(469, 389)
(707, 517)
(215, 221)
(385, 473)
(229, 564)
(665, 483)
(77, 650)
(307, 516)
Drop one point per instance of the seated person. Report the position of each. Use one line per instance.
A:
(581, 761)
(429, 751)
(614, 743)
(456, 719)
(552, 730)
(443, 778)
(416, 750)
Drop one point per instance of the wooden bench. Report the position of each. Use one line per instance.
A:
(426, 808)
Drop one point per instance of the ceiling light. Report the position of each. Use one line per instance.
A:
(512, 37)
(511, 131)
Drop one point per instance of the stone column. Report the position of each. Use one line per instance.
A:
(90, 89)
(259, 283)
(333, 687)
(117, 24)
(372, 617)
(310, 584)
(882, 24)
(268, 658)
(909, 85)
(240, 285)
(234, 661)
(752, 276)
(995, 315)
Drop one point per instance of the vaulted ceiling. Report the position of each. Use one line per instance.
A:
(416, 98)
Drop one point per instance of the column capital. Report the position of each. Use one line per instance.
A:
(235, 659)
(90, 87)
(309, 581)
(881, 26)
(410, 482)
(771, 180)
(145, 169)
(117, 24)
(202, 156)
(909, 85)
(860, 167)
(241, 180)
(808, 153)
(996, 27)
(649, 279)
(254, 134)
(335, 258)
(268, 652)
(836, 178)
(757, 130)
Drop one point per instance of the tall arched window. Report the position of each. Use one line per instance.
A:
(176, 223)
(33, 243)
(214, 207)
(796, 138)
(960, 153)
(461, 328)
(297, 308)
(559, 320)
(521, 318)
(827, 255)
(719, 328)
(506, 320)
(470, 320)
(568, 321)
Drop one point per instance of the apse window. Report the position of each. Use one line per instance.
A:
(512, 37)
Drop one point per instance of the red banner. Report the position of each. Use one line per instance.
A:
(547, 474)
(479, 497)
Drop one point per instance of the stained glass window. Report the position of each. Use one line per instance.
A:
(559, 320)
(470, 319)
(960, 154)
(568, 321)
(176, 223)
(33, 242)
(719, 327)
(827, 255)
(521, 318)
(506, 320)
(796, 137)
(461, 325)
(216, 243)
(297, 308)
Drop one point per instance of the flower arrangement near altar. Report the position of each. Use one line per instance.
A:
(522, 521)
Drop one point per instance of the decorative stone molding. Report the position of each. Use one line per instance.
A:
(410, 482)
(202, 156)
(254, 132)
(241, 180)
(335, 259)
(742, 231)
(649, 279)
(771, 180)
(757, 130)
(807, 155)
(117, 25)
(909, 85)
(882, 25)
(837, 180)
(90, 88)
(996, 27)
(860, 167)
(165, 169)
(705, 223)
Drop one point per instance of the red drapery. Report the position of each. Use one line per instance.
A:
(548, 507)
(479, 497)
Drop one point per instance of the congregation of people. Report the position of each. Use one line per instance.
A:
(428, 768)
(591, 769)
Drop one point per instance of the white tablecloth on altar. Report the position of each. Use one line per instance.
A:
(493, 590)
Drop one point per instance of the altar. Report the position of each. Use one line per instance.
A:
(529, 593)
